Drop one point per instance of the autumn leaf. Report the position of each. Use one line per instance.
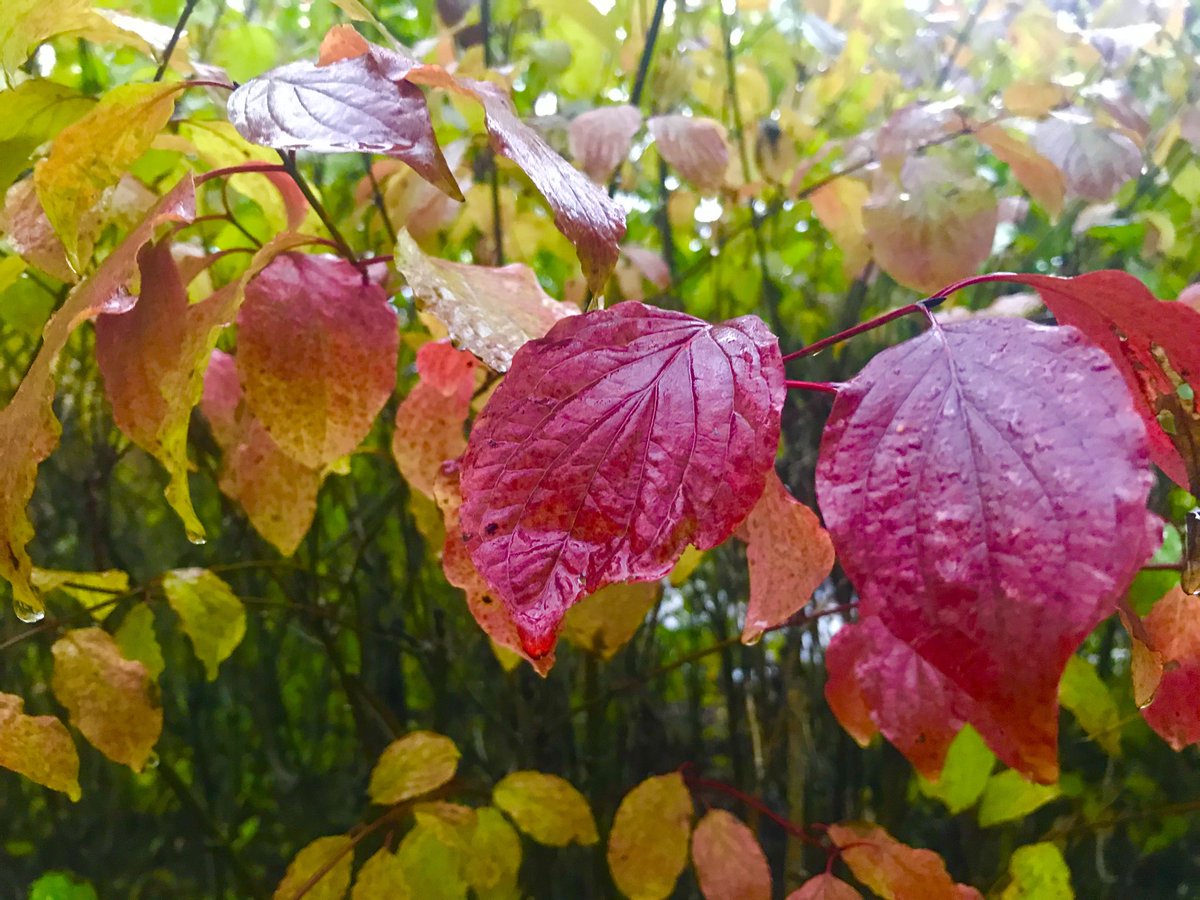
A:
(1038, 175)
(494, 855)
(893, 870)
(694, 146)
(28, 428)
(789, 555)
(381, 878)
(957, 519)
(92, 154)
(95, 591)
(648, 844)
(212, 616)
(23, 222)
(137, 641)
(490, 311)
(107, 697)
(1038, 872)
(600, 139)
(824, 887)
(27, 23)
(1095, 161)
(547, 808)
(316, 355)
(1084, 693)
(607, 620)
(964, 775)
(602, 490)
(730, 863)
(37, 747)
(411, 766)
(1173, 626)
(329, 859)
(1008, 796)
(839, 208)
(432, 869)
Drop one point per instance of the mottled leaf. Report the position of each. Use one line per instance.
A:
(37, 747)
(1038, 872)
(414, 765)
(606, 621)
(1095, 161)
(656, 431)
(1085, 694)
(789, 555)
(729, 862)
(108, 698)
(494, 856)
(348, 105)
(330, 860)
(1038, 175)
(28, 429)
(491, 312)
(24, 224)
(381, 878)
(893, 870)
(26, 23)
(278, 494)
(600, 139)
(212, 615)
(430, 420)
(547, 808)
(694, 146)
(648, 844)
(92, 154)
(824, 887)
(933, 225)
(1173, 626)
(316, 355)
(1008, 796)
(985, 485)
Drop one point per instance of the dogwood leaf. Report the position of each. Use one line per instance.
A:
(600, 139)
(730, 863)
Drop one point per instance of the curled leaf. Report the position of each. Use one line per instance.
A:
(1173, 627)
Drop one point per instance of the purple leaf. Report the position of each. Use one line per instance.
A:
(985, 486)
(615, 441)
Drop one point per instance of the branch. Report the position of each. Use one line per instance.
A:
(289, 165)
(188, 6)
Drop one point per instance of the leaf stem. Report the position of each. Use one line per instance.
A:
(289, 165)
(922, 306)
(825, 387)
(695, 782)
(240, 169)
(643, 69)
(186, 13)
(377, 197)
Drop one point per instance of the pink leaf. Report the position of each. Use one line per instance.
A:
(730, 863)
(316, 355)
(985, 486)
(600, 139)
(1095, 161)
(615, 441)
(1173, 626)
(824, 887)
(695, 146)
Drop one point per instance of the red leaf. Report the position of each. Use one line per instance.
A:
(600, 139)
(1174, 630)
(614, 442)
(430, 420)
(1155, 345)
(789, 555)
(824, 887)
(985, 485)
(696, 146)
(348, 105)
(893, 870)
(316, 355)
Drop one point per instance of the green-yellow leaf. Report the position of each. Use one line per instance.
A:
(93, 153)
(137, 639)
(495, 855)
(547, 808)
(411, 766)
(212, 615)
(1038, 872)
(26, 23)
(35, 111)
(37, 747)
(648, 844)
(332, 857)
(94, 590)
(381, 878)
(604, 622)
(432, 869)
(965, 773)
(451, 822)
(108, 697)
(1085, 694)
(1008, 796)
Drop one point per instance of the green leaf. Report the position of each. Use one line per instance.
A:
(212, 615)
(494, 857)
(1084, 693)
(1008, 796)
(432, 869)
(35, 111)
(137, 640)
(965, 773)
(26, 23)
(61, 886)
(381, 878)
(1038, 872)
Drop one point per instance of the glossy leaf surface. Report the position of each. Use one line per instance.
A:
(1173, 627)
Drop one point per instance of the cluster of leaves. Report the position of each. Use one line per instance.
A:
(984, 484)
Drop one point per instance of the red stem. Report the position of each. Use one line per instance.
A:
(825, 387)
(857, 329)
(240, 169)
(797, 831)
(974, 279)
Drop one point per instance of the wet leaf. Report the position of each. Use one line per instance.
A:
(28, 231)
(1173, 626)
(932, 479)
(1008, 797)
(332, 858)
(1095, 161)
(648, 844)
(547, 808)
(893, 870)
(490, 311)
(107, 697)
(789, 555)
(93, 153)
(825, 887)
(601, 138)
(95, 591)
(212, 615)
(28, 429)
(730, 864)
(416, 764)
(1038, 872)
(38, 748)
(316, 355)
(656, 432)
(694, 146)
(433, 870)
(607, 620)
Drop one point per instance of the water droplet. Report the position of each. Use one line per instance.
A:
(196, 537)
(152, 760)
(27, 613)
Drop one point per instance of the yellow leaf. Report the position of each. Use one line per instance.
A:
(330, 858)
(604, 622)
(107, 696)
(451, 822)
(839, 207)
(432, 869)
(686, 566)
(730, 864)
(26, 23)
(494, 857)
(91, 155)
(137, 640)
(212, 615)
(37, 747)
(381, 878)
(1038, 872)
(1040, 177)
(94, 590)
(648, 844)
(411, 766)
(1033, 98)
(547, 808)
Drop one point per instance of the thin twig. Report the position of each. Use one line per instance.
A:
(188, 6)
(377, 196)
(960, 41)
(355, 839)
(289, 164)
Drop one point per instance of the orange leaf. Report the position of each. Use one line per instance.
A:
(730, 864)
(37, 747)
(824, 887)
(1040, 177)
(1173, 626)
(893, 870)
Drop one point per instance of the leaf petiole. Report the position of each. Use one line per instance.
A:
(922, 306)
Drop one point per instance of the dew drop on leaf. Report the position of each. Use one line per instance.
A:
(27, 613)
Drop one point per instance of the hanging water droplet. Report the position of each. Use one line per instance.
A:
(197, 537)
(27, 613)
(1189, 579)
(152, 760)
